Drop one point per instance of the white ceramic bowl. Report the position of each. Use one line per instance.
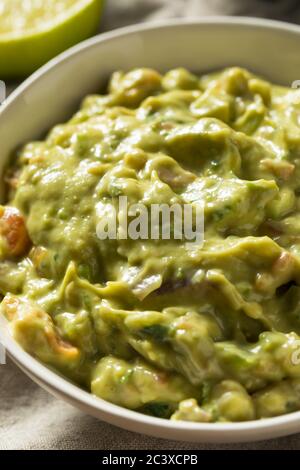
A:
(54, 92)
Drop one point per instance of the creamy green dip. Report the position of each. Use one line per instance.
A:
(208, 333)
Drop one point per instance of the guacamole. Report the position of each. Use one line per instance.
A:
(204, 333)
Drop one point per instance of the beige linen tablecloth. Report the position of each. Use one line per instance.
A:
(30, 418)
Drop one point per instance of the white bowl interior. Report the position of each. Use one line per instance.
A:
(53, 93)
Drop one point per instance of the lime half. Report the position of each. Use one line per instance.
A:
(34, 31)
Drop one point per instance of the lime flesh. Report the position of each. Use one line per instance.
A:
(34, 31)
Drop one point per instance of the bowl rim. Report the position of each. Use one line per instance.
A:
(234, 21)
(45, 376)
